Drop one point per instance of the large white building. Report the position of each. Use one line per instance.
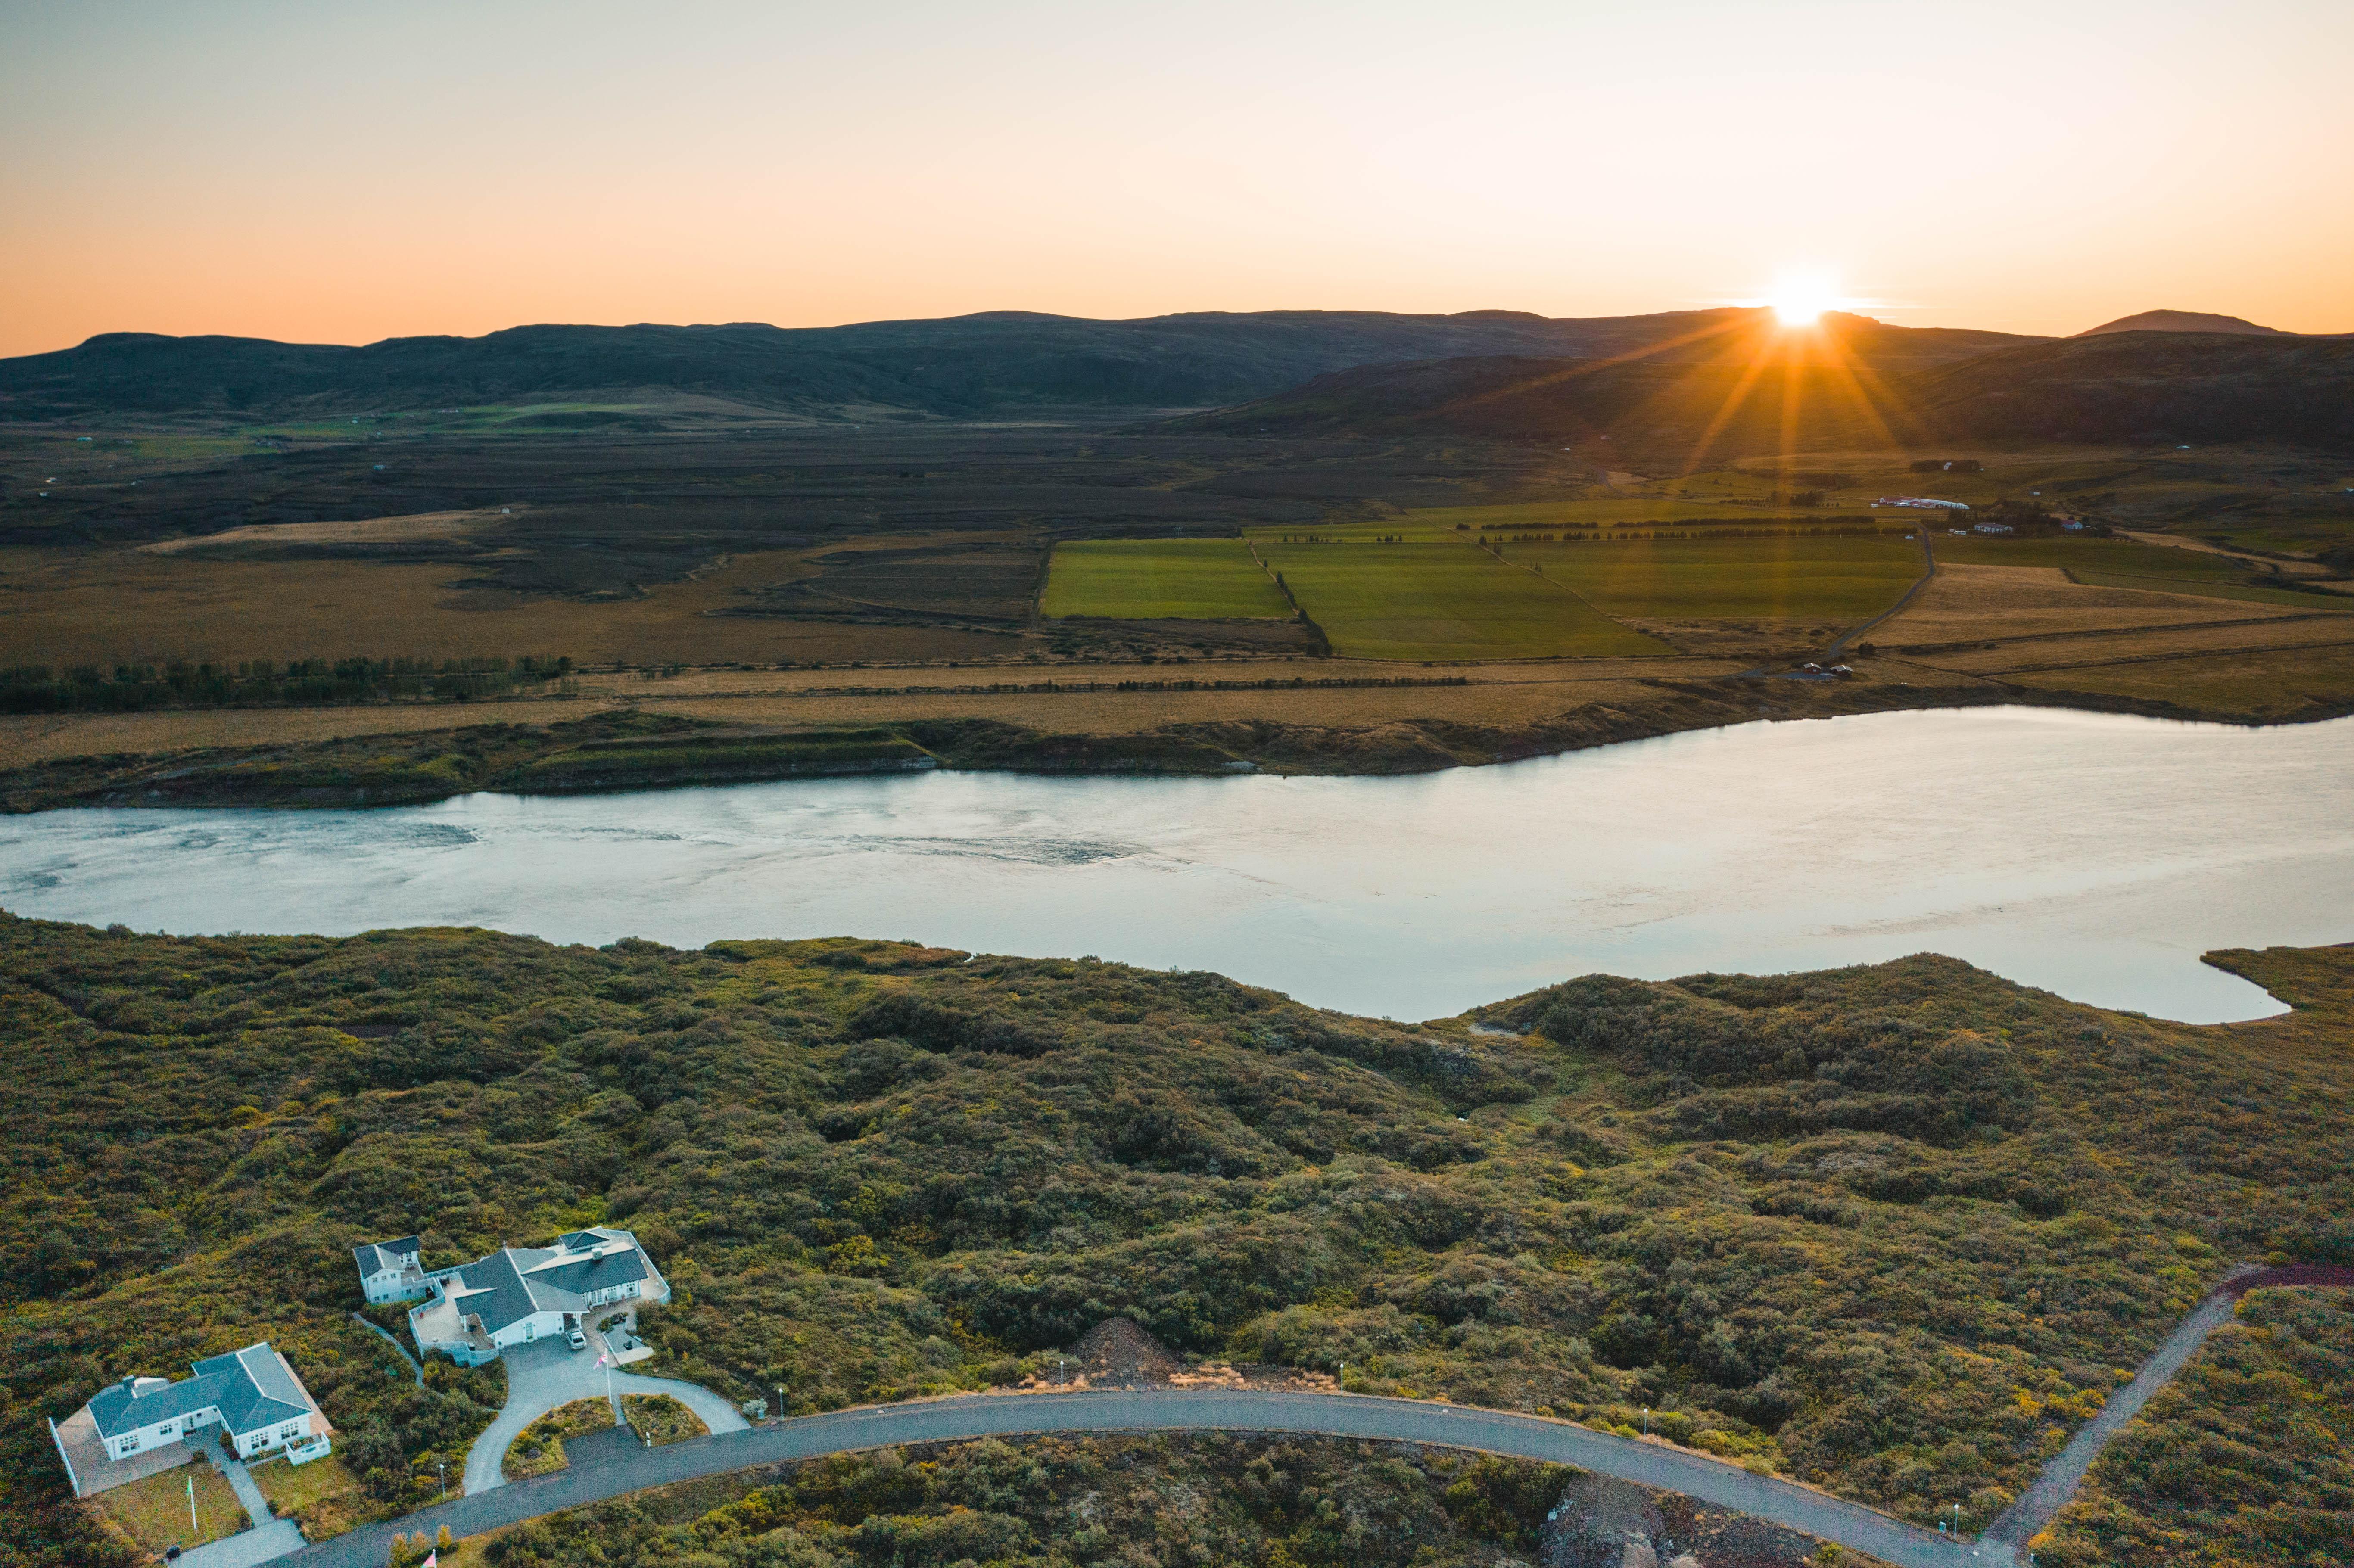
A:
(520, 1294)
(253, 1392)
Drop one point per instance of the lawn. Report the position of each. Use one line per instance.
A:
(322, 1497)
(154, 1512)
(1443, 602)
(538, 1448)
(1790, 579)
(659, 1419)
(1160, 579)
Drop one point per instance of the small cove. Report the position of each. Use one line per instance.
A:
(2094, 855)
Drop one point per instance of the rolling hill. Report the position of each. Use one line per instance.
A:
(2184, 321)
(960, 366)
(1856, 384)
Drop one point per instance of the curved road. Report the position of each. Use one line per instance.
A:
(1165, 1410)
(1337, 1415)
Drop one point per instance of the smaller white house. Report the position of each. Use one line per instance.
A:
(517, 1295)
(390, 1271)
(253, 1392)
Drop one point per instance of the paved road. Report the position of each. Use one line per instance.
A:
(1343, 1416)
(546, 1374)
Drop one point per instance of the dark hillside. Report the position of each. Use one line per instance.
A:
(1758, 392)
(1891, 1229)
(2149, 387)
(963, 365)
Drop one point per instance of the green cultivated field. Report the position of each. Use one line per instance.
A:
(1160, 579)
(1789, 578)
(1629, 513)
(1442, 601)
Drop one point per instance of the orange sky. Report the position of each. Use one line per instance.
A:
(350, 173)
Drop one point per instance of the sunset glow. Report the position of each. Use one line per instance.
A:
(342, 175)
(1800, 299)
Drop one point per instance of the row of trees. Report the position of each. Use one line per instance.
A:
(264, 683)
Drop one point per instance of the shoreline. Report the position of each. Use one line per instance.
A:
(627, 748)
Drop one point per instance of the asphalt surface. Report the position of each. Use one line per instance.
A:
(1340, 1415)
(547, 1373)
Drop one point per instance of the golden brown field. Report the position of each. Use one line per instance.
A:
(65, 608)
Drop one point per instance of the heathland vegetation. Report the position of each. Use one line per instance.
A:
(1893, 1230)
(2247, 1458)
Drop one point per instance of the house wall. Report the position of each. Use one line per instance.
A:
(277, 1434)
(386, 1286)
(146, 1437)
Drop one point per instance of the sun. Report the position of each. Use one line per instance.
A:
(1800, 299)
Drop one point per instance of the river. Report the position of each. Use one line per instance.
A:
(2092, 854)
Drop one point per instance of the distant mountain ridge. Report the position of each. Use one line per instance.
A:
(2184, 321)
(957, 367)
(1853, 385)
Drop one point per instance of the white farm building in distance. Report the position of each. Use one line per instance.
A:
(516, 1294)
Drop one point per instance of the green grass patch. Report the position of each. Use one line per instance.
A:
(1160, 579)
(154, 1512)
(1788, 578)
(659, 1419)
(1616, 513)
(538, 1448)
(1443, 602)
(322, 1497)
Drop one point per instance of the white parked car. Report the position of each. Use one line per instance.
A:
(577, 1339)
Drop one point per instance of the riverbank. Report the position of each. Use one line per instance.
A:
(715, 729)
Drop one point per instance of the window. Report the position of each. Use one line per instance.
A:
(130, 1444)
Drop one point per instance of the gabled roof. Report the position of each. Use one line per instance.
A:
(376, 1257)
(252, 1388)
(514, 1282)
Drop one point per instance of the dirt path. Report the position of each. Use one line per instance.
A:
(2051, 1492)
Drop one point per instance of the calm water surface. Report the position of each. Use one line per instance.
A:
(2093, 855)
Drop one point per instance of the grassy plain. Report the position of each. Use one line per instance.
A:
(1443, 602)
(65, 608)
(1789, 578)
(1160, 579)
(153, 1510)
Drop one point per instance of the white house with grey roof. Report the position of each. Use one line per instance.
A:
(390, 1271)
(520, 1294)
(253, 1393)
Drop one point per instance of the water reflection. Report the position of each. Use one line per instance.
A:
(2095, 856)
